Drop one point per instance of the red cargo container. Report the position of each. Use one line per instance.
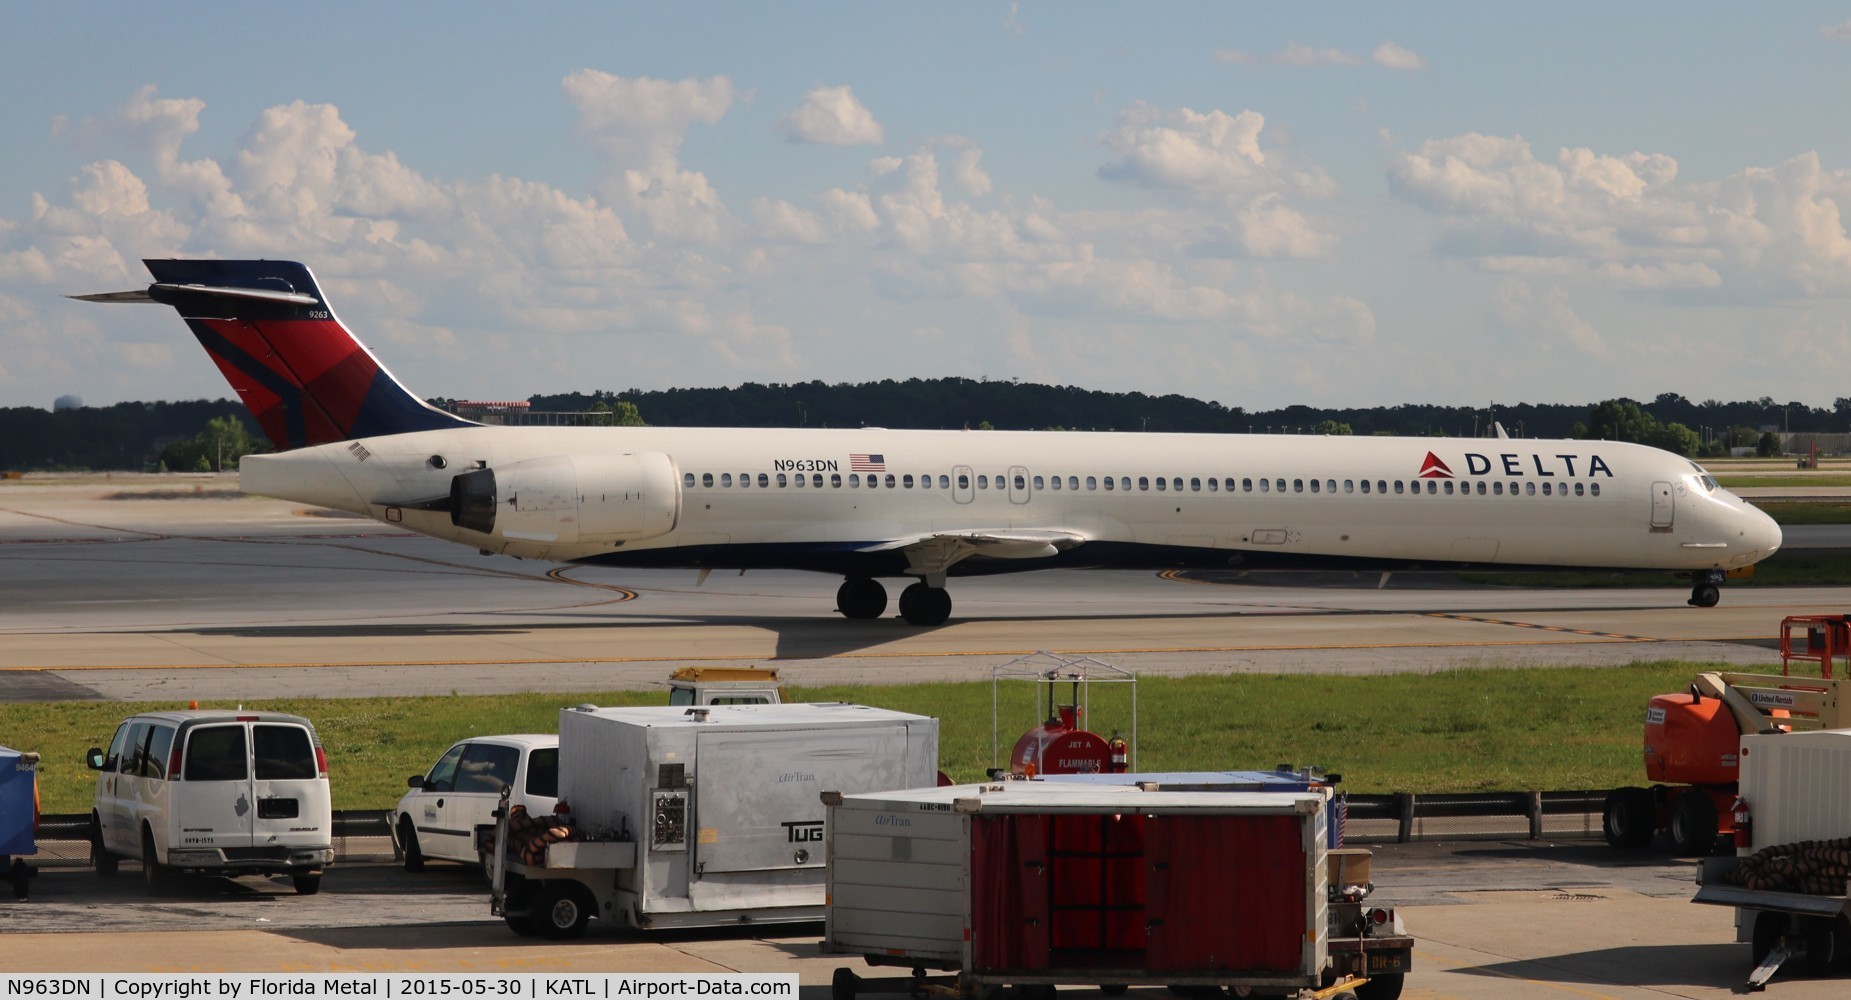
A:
(1030, 883)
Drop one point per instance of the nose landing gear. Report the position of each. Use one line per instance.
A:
(1705, 590)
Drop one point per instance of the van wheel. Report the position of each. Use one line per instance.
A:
(100, 856)
(307, 885)
(154, 875)
(561, 908)
(408, 842)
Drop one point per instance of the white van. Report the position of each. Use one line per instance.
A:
(438, 817)
(219, 792)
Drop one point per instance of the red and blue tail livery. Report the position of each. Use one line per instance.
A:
(299, 371)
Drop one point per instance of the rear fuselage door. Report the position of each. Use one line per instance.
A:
(1662, 505)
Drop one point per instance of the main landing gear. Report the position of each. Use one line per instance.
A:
(920, 604)
(1706, 589)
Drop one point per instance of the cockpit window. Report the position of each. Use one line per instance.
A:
(1707, 481)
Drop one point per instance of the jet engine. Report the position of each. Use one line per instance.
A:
(570, 499)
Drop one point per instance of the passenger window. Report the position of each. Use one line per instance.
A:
(835, 480)
(1578, 489)
(763, 480)
(1381, 486)
(964, 480)
(854, 480)
(1298, 485)
(486, 767)
(907, 481)
(1160, 484)
(1497, 488)
(283, 753)
(745, 480)
(874, 481)
(1279, 486)
(160, 745)
(782, 481)
(1109, 484)
(797, 481)
(1263, 483)
(1020, 483)
(216, 753)
(983, 482)
(1211, 484)
(1314, 486)
(1349, 486)
(1330, 486)
(1177, 484)
(1091, 483)
(134, 749)
(1545, 490)
(1397, 486)
(944, 482)
(1246, 486)
(1053, 481)
(443, 773)
(687, 479)
(114, 757)
(1124, 483)
(707, 480)
(543, 772)
(889, 482)
(1365, 486)
(726, 479)
(1529, 489)
(1432, 487)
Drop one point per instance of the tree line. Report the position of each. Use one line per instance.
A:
(195, 434)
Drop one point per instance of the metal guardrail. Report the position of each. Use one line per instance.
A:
(366, 834)
(63, 839)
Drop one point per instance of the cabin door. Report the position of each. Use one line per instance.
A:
(1662, 505)
(962, 489)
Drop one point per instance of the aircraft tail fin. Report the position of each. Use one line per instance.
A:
(303, 376)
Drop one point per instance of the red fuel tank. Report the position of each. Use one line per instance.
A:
(1056, 747)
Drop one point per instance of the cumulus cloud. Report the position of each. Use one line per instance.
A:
(1627, 221)
(1388, 55)
(1545, 319)
(641, 121)
(1212, 153)
(832, 116)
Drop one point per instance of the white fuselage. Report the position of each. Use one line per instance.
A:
(802, 498)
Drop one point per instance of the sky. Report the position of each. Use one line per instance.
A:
(1257, 204)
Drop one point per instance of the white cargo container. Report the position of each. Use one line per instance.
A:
(1797, 790)
(1036, 884)
(705, 816)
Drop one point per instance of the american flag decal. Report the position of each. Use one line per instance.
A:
(867, 463)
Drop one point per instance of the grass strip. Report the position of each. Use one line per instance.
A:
(1549, 728)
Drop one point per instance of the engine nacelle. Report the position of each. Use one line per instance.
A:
(570, 499)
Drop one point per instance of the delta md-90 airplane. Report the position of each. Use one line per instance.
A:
(874, 503)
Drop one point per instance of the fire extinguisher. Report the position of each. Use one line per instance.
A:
(1120, 751)
(1744, 834)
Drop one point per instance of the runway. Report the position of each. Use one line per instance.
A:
(146, 587)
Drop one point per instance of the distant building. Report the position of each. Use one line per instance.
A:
(63, 403)
(509, 412)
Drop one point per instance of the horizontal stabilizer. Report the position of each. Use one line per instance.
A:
(138, 295)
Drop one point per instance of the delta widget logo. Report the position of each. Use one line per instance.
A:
(1434, 468)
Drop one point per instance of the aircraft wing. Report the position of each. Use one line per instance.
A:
(932, 554)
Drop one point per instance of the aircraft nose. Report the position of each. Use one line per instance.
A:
(1766, 534)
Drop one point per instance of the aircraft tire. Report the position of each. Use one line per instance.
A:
(861, 598)
(1705, 595)
(923, 605)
